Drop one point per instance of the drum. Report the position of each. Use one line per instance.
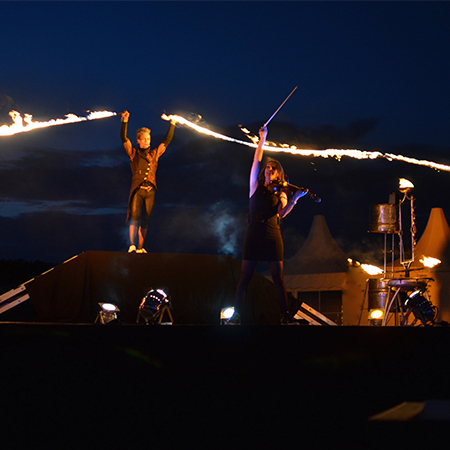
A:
(384, 218)
(378, 293)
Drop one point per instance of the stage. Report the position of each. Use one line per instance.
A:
(69, 382)
(166, 386)
(199, 287)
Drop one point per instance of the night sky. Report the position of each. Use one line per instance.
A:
(370, 76)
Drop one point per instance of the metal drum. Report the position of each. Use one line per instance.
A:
(378, 293)
(384, 218)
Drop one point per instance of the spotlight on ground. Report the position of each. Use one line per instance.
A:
(153, 307)
(108, 313)
(376, 317)
(225, 314)
(421, 307)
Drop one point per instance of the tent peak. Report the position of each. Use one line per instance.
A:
(320, 253)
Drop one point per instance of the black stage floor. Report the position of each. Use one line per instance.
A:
(129, 386)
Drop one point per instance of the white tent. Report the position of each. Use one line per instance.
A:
(321, 266)
(435, 239)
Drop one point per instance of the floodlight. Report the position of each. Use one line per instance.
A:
(378, 292)
(153, 306)
(376, 316)
(108, 313)
(421, 307)
(225, 314)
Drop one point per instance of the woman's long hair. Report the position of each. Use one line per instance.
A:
(279, 167)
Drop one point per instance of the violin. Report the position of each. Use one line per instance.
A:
(291, 189)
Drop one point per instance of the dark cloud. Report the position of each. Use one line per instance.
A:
(370, 76)
(329, 136)
(56, 204)
(55, 236)
(52, 175)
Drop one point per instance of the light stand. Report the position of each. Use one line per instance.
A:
(405, 187)
(419, 305)
(387, 219)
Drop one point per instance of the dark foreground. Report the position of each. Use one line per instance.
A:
(131, 386)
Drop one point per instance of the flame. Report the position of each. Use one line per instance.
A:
(371, 270)
(404, 184)
(429, 262)
(21, 125)
(328, 153)
(368, 268)
(183, 121)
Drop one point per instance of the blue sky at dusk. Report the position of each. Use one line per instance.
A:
(370, 76)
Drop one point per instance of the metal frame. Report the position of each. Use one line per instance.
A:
(13, 298)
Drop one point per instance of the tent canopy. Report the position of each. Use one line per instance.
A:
(319, 254)
(434, 240)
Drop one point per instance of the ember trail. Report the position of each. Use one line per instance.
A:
(25, 124)
(328, 153)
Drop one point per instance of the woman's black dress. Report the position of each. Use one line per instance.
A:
(263, 241)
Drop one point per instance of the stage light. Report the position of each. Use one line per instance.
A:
(153, 307)
(225, 314)
(378, 294)
(108, 313)
(421, 307)
(376, 316)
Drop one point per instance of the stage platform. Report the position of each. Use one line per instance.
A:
(68, 382)
(162, 386)
(199, 287)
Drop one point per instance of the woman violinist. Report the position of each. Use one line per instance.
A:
(263, 240)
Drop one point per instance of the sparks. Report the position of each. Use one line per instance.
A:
(22, 125)
(183, 121)
(328, 153)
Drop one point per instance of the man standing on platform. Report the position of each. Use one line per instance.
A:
(144, 163)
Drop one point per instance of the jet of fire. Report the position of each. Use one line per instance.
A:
(368, 268)
(328, 153)
(183, 121)
(429, 262)
(371, 269)
(21, 125)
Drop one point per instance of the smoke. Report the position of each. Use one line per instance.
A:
(225, 227)
(185, 228)
(6, 103)
(369, 250)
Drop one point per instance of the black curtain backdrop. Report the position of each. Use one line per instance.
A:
(199, 286)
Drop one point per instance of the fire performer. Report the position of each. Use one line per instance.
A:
(144, 163)
(263, 240)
